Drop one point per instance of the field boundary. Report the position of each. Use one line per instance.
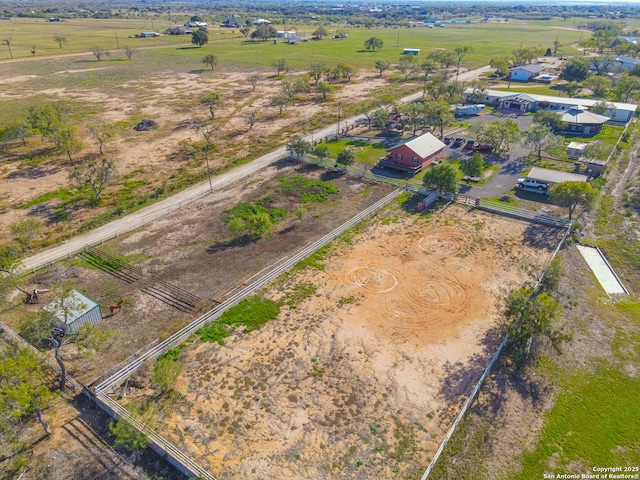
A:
(487, 370)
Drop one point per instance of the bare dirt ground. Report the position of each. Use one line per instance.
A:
(157, 156)
(363, 379)
(194, 250)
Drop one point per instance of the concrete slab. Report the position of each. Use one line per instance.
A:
(602, 270)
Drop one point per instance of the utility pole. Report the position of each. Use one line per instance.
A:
(338, 125)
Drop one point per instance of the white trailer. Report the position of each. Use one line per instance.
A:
(469, 109)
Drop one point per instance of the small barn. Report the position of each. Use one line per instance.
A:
(80, 310)
(411, 51)
(413, 155)
(575, 150)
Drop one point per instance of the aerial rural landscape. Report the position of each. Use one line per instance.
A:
(319, 240)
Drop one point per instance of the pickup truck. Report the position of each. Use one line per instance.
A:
(532, 184)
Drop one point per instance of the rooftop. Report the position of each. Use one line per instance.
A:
(424, 145)
(555, 176)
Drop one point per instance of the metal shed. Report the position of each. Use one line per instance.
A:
(81, 310)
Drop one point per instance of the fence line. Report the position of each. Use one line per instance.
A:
(486, 372)
(214, 313)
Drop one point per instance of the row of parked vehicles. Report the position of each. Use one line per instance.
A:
(469, 144)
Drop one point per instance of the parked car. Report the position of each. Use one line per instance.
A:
(470, 143)
(532, 184)
(459, 140)
(448, 139)
(482, 147)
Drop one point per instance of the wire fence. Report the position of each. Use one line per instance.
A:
(485, 373)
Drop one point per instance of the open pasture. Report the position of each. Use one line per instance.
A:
(363, 377)
(229, 45)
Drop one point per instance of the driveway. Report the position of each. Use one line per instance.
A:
(509, 166)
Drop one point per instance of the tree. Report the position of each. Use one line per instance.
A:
(502, 134)
(500, 65)
(382, 66)
(438, 114)
(200, 37)
(625, 86)
(539, 137)
(416, 113)
(60, 40)
(346, 157)
(245, 31)
(575, 70)
(66, 140)
(260, 224)
(556, 45)
(603, 108)
(7, 41)
(281, 101)
(600, 86)
(165, 372)
(316, 71)
(442, 178)
(552, 119)
(325, 89)
(572, 195)
(26, 231)
(280, 64)
(407, 66)
(379, 118)
(373, 43)
(33, 50)
(210, 60)
(322, 152)
(428, 67)
(473, 166)
(130, 51)
(436, 87)
(22, 389)
(47, 118)
(212, 101)
(572, 89)
(460, 54)
(253, 80)
(252, 118)
(127, 436)
(344, 71)
(95, 174)
(99, 52)
(528, 316)
(237, 226)
(17, 129)
(102, 132)
(264, 31)
(298, 147)
(320, 32)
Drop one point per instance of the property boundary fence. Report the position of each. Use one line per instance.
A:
(214, 313)
(485, 373)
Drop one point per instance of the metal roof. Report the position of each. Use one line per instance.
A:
(582, 116)
(555, 176)
(77, 304)
(424, 145)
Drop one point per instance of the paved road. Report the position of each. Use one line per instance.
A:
(152, 212)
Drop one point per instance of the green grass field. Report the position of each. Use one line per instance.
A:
(82, 34)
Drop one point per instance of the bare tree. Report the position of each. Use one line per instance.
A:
(99, 52)
(252, 118)
(102, 132)
(130, 51)
(253, 80)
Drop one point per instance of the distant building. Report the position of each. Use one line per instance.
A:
(411, 51)
(525, 102)
(524, 73)
(260, 21)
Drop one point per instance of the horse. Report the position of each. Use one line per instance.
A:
(116, 307)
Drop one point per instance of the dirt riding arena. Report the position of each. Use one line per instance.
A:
(363, 378)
